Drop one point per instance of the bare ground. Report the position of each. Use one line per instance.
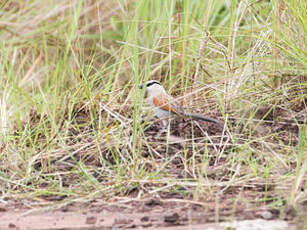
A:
(142, 214)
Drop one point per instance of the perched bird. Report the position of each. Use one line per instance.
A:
(165, 106)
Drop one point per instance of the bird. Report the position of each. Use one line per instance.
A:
(165, 106)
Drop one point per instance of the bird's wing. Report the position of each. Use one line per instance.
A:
(168, 104)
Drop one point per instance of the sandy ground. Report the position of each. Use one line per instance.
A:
(147, 214)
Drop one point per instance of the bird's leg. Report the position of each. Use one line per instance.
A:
(165, 123)
(164, 127)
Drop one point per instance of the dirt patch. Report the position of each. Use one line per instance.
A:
(127, 214)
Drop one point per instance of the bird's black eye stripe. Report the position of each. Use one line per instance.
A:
(153, 82)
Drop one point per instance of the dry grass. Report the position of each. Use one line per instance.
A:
(73, 124)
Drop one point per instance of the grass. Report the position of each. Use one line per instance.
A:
(74, 123)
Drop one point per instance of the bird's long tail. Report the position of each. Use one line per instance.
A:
(195, 116)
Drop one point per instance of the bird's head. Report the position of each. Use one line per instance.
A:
(152, 87)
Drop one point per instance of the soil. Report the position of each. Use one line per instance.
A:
(150, 213)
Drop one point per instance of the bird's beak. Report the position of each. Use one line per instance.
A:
(141, 86)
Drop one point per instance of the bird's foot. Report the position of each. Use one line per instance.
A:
(161, 131)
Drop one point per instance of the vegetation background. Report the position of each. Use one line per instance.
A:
(75, 126)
